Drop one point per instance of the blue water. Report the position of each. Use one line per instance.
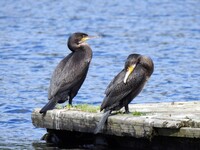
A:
(33, 37)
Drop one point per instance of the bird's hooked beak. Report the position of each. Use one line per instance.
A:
(87, 38)
(128, 72)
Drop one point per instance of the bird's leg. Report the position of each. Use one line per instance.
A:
(126, 109)
(70, 101)
(69, 105)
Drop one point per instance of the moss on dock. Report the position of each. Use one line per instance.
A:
(87, 108)
(137, 113)
(80, 107)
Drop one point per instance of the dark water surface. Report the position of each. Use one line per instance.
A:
(33, 38)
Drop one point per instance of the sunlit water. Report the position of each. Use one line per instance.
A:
(33, 38)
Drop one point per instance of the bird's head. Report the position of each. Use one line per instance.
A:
(130, 65)
(133, 60)
(77, 39)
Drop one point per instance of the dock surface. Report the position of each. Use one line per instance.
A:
(176, 119)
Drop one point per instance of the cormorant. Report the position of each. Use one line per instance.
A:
(70, 73)
(126, 86)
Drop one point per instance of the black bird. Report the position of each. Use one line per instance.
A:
(126, 86)
(70, 73)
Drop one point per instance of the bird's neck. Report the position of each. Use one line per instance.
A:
(84, 51)
(149, 68)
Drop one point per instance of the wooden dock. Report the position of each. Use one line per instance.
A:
(164, 120)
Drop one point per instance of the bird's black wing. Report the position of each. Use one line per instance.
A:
(119, 90)
(117, 79)
(67, 74)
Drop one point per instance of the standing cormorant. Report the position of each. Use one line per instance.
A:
(126, 86)
(70, 73)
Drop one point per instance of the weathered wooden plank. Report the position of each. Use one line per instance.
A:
(61, 119)
(165, 119)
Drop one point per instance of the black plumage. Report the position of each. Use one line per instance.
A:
(126, 85)
(70, 73)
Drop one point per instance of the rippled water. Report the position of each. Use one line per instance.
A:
(33, 38)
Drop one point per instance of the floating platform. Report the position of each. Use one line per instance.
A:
(154, 123)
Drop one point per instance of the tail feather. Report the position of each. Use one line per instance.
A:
(50, 105)
(102, 121)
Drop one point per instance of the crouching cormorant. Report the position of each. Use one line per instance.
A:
(126, 86)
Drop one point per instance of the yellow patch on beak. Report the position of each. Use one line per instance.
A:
(128, 72)
(84, 39)
(87, 38)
